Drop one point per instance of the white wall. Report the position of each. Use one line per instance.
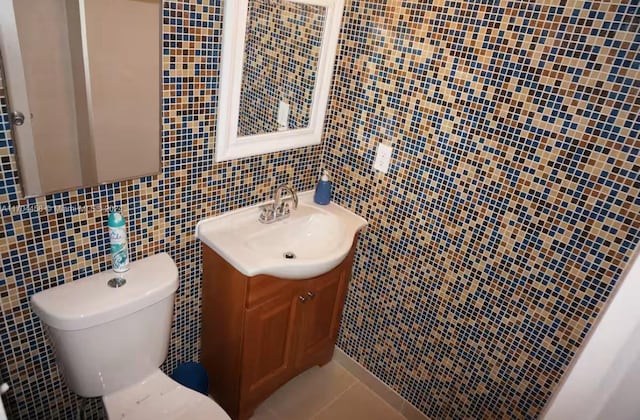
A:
(605, 378)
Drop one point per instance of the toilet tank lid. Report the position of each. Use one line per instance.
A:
(91, 301)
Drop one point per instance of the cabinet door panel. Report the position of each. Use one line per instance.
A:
(268, 342)
(320, 319)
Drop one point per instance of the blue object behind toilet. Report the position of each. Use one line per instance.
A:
(193, 376)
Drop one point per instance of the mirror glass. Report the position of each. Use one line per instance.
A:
(277, 63)
(86, 76)
(281, 53)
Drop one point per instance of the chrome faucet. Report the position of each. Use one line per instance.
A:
(281, 206)
(281, 192)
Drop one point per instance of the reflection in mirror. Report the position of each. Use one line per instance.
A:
(86, 75)
(282, 49)
(276, 69)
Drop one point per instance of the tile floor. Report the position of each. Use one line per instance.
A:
(325, 393)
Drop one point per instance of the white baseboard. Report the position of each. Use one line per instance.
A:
(381, 389)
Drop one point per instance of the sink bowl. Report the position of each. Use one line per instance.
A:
(313, 240)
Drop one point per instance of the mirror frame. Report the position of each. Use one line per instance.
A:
(228, 144)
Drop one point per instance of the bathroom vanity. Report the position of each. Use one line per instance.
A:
(260, 331)
(272, 294)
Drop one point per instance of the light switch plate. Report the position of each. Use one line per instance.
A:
(383, 158)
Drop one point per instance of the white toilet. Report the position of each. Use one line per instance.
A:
(110, 341)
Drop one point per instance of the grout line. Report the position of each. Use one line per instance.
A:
(385, 402)
(348, 359)
(363, 371)
(347, 371)
(356, 382)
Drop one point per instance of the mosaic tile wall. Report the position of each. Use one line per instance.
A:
(509, 211)
(511, 205)
(62, 237)
(283, 47)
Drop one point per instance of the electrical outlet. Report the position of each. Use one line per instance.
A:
(383, 158)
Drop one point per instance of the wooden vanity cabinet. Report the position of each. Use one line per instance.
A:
(259, 332)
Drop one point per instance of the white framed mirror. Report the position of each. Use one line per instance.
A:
(277, 64)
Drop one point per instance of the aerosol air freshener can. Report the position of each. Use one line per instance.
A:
(118, 237)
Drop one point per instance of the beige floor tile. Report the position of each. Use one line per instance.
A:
(309, 392)
(363, 375)
(359, 403)
(263, 413)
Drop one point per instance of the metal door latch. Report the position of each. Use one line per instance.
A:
(17, 118)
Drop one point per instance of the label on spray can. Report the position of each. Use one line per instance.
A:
(118, 238)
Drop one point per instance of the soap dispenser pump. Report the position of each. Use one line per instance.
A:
(323, 190)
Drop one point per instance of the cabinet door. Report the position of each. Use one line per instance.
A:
(268, 345)
(320, 318)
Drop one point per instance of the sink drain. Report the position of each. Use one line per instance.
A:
(289, 255)
(116, 282)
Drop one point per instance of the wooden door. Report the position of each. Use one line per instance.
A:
(269, 338)
(320, 318)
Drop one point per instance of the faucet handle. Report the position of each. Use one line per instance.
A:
(267, 213)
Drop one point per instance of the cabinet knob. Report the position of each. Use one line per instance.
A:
(311, 295)
(302, 299)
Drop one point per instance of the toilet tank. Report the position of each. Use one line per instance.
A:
(107, 338)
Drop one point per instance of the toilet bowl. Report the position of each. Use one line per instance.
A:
(111, 334)
(160, 397)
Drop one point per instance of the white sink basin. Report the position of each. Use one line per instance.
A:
(319, 237)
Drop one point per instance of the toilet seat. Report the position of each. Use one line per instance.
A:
(160, 397)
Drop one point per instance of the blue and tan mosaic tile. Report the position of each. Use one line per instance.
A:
(62, 237)
(511, 205)
(507, 217)
(283, 41)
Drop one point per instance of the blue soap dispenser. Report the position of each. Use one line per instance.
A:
(323, 190)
